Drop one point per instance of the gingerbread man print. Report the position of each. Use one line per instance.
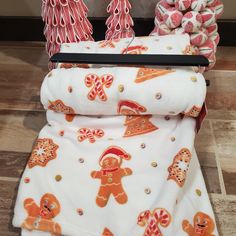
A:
(41, 217)
(111, 174)
(203, 225)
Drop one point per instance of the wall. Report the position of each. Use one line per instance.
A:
(141, 8)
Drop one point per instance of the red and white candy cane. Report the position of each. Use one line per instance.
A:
(152, 229)
(90, 134)
(97, 83)
(108, 43)
(162, 216)
(158, 217)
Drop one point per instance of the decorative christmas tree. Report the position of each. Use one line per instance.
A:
(198, 18)
(65, 22)
(119, 23)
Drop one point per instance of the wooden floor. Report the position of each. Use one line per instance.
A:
(22, 68)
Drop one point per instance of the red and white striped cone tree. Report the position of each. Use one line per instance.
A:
(119, 23)
(65, 22)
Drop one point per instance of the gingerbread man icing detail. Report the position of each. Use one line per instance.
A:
(111, 174)
(203, 225)
(41, 217)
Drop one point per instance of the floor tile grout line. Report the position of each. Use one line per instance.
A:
(220, 119)
(228, 196)
(10, 179)
(221, 179)
(21, 109)
(222, 70)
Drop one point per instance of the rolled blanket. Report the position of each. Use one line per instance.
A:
(139, 45)
(117, 156)
(98, 91)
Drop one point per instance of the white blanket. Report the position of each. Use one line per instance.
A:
(117, 157)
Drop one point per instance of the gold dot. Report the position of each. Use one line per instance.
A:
(194, 78)
(67, 45)
(169, 48)
(121, 88)
(171, 112)
(50, 75)
(148, 191)
(154, 164)
(173, 139)
(198, 192)
(80, 211)
(109, 180)
(167, 118)
(70, 89)
(81, 160)
(143, 145)
(158, 96)
(110, 139)
(58, 178)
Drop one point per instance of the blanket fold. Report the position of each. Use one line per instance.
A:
(117, 156)
(107, 91)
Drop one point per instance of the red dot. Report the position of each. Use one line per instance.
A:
(80, 211)
(61, 133)
(27, 180)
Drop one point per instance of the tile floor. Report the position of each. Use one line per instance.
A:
(22, 68)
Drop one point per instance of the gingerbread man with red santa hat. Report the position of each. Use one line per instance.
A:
(111, 174)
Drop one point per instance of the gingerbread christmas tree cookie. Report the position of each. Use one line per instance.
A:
(136, 124)
(145, 74)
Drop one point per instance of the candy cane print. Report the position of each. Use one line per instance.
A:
(152, 220)
(82, 137)
(97, 84)
(162, 216)
(98, 133)
(153, 229)
(90, 134)
(106, 43)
